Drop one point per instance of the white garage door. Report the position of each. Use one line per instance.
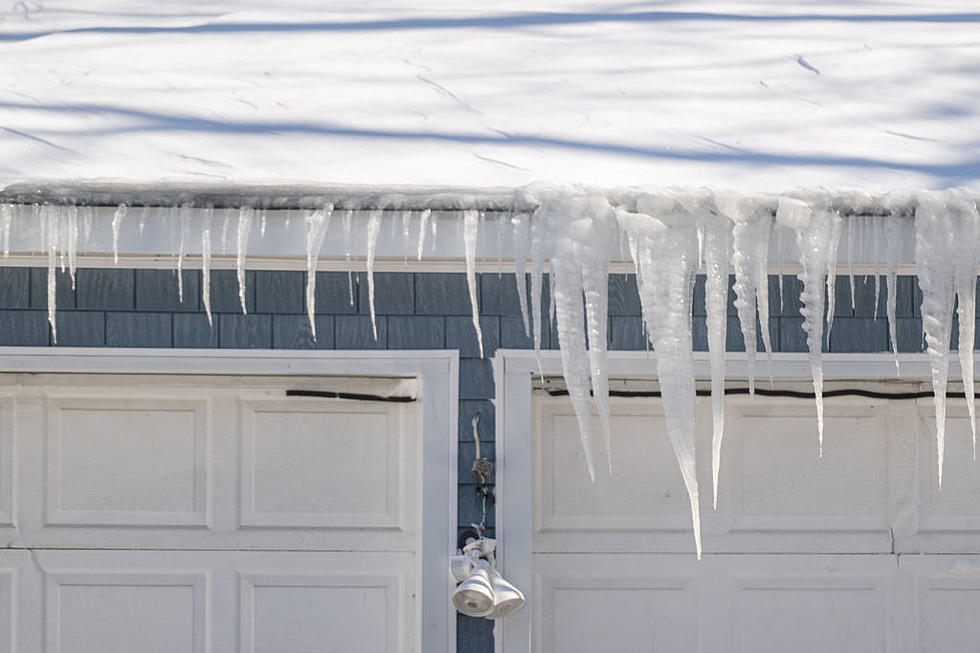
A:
(185, 514)
(856, 552)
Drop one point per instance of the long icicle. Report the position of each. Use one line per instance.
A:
(373, 229)
(471, 229)
(893, 245)
(941, 224)
(717, 253)
(817, 235)
(522, 247)
(184, 227)
(666, 248)
(244, 227)
(53, 227)
(967, 261)
(206, 221)
(316, 230)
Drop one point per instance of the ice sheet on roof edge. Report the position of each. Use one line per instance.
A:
(669, 235)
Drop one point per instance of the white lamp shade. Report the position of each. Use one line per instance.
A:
(474, 596)
(507, 598)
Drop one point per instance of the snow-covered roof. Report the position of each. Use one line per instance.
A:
(759, 96)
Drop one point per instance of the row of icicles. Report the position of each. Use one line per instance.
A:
(668, 237)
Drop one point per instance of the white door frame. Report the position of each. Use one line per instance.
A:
(513, 372)
(438, 371)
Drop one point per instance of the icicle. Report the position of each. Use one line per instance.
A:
(781, 248)
(117, 219)
(893, 244)
(539, 233)
(6, 218)
(185, 227)
(72, 237)
(522, 246)
(143, 214)
(470, 232)
(817, 235)
(947, 228)
(373, 228)
(206, 218)
(876, 229)
(717, 252)
(244, 226)
(850, 257)
(53, 229)
(348, 217)
(262, 225)
(88, 216)
(666, 259)
(423, 221)
(316, 230)
(752, 222)
(502, 221)
(226, 223)
(582, 233)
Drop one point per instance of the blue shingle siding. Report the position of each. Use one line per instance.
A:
(139, 308)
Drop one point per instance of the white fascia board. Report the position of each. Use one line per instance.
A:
(152, 239)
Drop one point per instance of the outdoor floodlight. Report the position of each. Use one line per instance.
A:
(474, 596)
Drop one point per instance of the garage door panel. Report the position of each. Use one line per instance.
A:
(317, 611)
(121, 611)
(128, 461)
(945, 591)
(640, 497)
(947, 519)
(320, 465)
(581, 608)
(779, 481)
(116, 461)
(223, 601)
(811, 614)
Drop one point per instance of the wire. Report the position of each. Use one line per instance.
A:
(795, 394)
(398, 399)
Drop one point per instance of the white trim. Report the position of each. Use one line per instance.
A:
(514, 370)
(438, 371)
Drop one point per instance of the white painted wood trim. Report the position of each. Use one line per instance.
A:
(438, 371)
(514, 371)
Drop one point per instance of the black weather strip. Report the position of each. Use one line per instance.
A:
(326, 394)
(795, 394)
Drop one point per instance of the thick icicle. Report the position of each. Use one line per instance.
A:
(373, 228)
(817, 235)
(947, 229)
(581, 230)
(539, 234)
(893, 244)
(717, 253)
(72, 236)
(522, 247)
(423, 222)
(966, 308)
(666, 248)
(185, 227)
(752, 222)
(781, 249)
(53, 229)
(850, 257)
(244, 227)
(206, 220)
(348, 217)
(471, 227)
(876, 228)
(316, 230)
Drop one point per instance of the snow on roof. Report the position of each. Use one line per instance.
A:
(750, 95)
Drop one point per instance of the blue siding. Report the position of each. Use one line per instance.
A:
(140, 308)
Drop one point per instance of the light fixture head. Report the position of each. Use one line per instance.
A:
(507, 599)
(474, 596)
